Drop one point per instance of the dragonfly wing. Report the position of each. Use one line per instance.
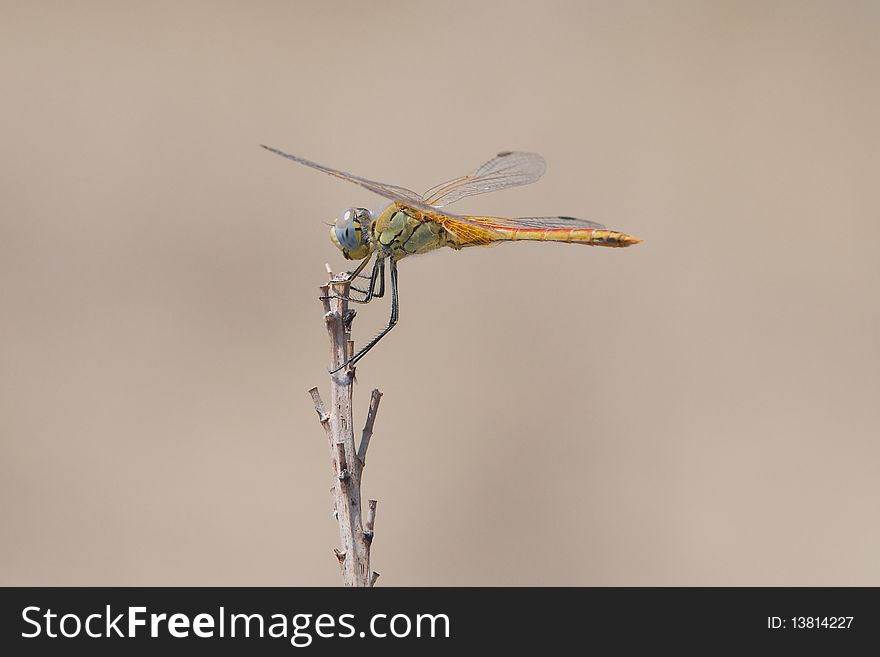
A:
(461, 227)
(392, 192)
(548, 223)
(507, 169)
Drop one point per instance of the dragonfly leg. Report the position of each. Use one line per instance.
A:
(395, 308)
(359, 269)
(367, 294)
(381, 292)
(372, 293)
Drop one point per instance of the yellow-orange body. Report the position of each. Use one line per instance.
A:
(400, 231)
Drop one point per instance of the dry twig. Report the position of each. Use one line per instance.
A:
(347, 461)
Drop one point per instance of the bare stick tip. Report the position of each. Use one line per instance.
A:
(319, 407)
(370, 523)
(343, 473)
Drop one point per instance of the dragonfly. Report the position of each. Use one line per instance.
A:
(413, 224)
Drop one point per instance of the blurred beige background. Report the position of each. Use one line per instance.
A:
(703, 408)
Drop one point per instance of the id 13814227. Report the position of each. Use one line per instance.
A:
(809, 622)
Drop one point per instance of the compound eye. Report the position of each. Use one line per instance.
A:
(346, 218)
(347, 232)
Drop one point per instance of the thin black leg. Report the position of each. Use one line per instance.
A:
(369, 293)
(359, 268)
(381, 292)
(395, 308)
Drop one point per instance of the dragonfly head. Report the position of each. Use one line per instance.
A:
(350, 233)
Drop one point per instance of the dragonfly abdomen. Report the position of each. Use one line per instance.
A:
(588, 236)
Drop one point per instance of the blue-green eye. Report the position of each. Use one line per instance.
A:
(349, 231)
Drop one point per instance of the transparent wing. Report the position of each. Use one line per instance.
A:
(549, 223)
(392, 192)
(508, 169)
(460, 226)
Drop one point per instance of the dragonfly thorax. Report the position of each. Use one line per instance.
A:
(351, 233)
